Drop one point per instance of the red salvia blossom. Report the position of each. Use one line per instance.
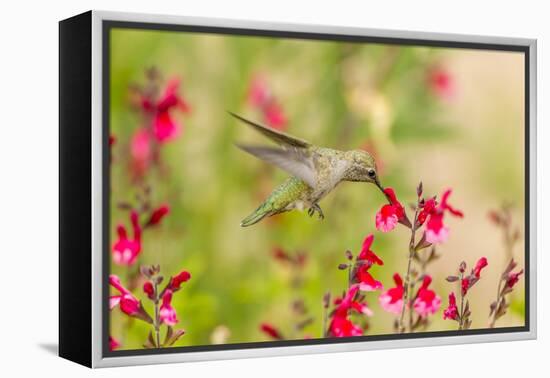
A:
(367, 254)
(451, 312)
(113, 343)
(470, 280)
(261, 97)
(177, 280)
(340, 325)
(271, 331)
(366, 280)
(392, 299)
(436, 232)
(427, 301)
(125, 250)
(128, 304)
(442, 83)
(390, 214)
(481, 263)
(149, 289)
(513, 279)
(167, 313)
(158, 214)
(165, 128)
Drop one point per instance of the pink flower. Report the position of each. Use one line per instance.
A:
(158, 214)
(129, 304)
(390, 214)
(167, 313)
(149, 289)
(271, 331)
(427, 301)
(436, 232)
(164, 126)
(125, 250)
(442, 83)
(366, 280)
(366, 254)
(176, 281)
(141, 152)
(451, 312)
(260, 96)
(513, 278)
(392, 299)
(113, 343)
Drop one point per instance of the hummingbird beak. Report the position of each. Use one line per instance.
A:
(377, 182)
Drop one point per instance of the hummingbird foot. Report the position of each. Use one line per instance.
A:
(316, 208)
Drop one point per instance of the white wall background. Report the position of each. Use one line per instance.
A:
(29, 189)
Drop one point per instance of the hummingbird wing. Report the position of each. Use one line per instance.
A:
(276, 136)
(296, 161)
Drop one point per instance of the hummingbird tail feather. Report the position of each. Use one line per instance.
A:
(259, 214)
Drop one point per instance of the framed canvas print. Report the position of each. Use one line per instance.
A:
(234, 189)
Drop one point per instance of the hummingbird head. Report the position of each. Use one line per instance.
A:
(362, 168)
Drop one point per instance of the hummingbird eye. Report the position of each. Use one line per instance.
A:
(371, 173)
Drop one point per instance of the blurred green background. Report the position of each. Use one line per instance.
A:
(462, 130)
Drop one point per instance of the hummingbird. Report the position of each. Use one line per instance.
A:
(315, 171)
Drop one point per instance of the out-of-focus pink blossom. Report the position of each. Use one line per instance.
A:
(113, 343)
(128, 304)
(141, 151)
(392, 299)
(442, 83)
(125, 250)
(451, 312)
(427, 301)
(261, 97)
(167, 313)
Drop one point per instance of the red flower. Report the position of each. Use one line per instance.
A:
(366, 254)
(261, 97)
(390, 214)
(366, 280)
(392, 299)
(470, 280)
(176, 281)
(158, 214)
(481, 263)
(271, 331)
(126, 251)
(436, 232)
(340, 325)
(129, 304)
(442, 83)
(149, 289)
(164, 126)
(167, 313)
(513, 278)
(427, 301)
(451, 312)
(113, 343)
